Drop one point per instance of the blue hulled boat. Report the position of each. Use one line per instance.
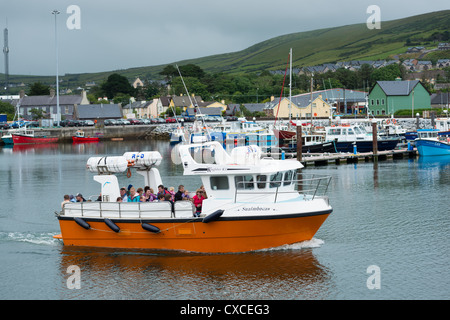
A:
(431, 142)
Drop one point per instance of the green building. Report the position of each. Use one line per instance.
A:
(387, 97)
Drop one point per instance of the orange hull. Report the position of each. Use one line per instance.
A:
(214, 237)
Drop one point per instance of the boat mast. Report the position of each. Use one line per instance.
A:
(310, 127)
(290, 85)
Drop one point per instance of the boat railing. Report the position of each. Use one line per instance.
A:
(309, 186)
(141, 210)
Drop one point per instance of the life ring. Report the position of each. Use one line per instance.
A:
(387, 121)
(394, 121)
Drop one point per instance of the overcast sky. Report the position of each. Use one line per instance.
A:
(134, 33)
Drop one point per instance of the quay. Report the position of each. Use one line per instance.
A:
(122, 132)
(338, 158)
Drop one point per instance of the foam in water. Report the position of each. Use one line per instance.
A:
(45, 238)
(313, 243)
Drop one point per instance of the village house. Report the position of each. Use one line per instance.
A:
(138, 83)
(387, 97)
(48, 104)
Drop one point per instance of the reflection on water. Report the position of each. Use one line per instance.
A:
(292, 274)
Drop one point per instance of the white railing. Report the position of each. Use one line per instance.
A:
(310, 188)
(135, 210)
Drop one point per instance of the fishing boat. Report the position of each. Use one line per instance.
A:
(7, 139)
(31, 137)
(253, 203)
(433, 142)
(347, 137)
(311, 143)
(80, 137)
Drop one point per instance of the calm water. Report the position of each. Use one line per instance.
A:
(394, 216)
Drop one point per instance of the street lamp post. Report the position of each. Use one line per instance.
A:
(58, 114)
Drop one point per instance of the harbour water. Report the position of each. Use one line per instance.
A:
(387, 238)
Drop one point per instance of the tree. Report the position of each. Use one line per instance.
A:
(8, 109)
(116, 84)
(37, 113)
(39, 89)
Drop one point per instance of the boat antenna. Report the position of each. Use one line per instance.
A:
(190, 100)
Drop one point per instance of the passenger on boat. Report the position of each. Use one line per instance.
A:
(80, 198)
(140, 191)
(168, 197)
(172, 192)
(198, 200)
(149, 195)
(66, 200)
(119, 199)
(161, 190)
(180, 193)
(72, 198)
(134, 196)
(123, 195)
(204, 192)
(186, 195)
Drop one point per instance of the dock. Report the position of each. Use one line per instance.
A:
(339, 158)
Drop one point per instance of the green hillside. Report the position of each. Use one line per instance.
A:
(345, 43)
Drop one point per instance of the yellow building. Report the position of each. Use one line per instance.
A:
(300, 107)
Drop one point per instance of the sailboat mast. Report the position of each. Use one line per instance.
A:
(290, 84)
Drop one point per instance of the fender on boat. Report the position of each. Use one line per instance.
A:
(82, 223)
(213, 216)
(150, 227)
(112, 225)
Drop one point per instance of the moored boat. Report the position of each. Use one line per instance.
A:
(431, 142)
(253, 203)
(30, 137)
(346, 137)
(80, 137)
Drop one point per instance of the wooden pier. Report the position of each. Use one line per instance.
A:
(338, 158)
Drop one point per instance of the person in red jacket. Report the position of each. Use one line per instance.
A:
(198, 200)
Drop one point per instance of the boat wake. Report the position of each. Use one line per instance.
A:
(313, 243)
(43, 238)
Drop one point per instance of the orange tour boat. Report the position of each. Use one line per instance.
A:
(253, 203)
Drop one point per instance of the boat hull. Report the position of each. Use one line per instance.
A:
(432, 148)
(284, 134)
(226, 235)
(366, 146)
(19, 139)
(7, 140)
(76, 139)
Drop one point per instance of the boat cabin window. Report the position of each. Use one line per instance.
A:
(244, 182)
(219, 183)
(334, 131)
(287, 178)
(350, 131)
(275, 180)
(261, 181)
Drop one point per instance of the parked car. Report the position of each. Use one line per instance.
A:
(146, 121)
(231, 118)
(4, 125)
(171, 120)
(110, 122)
(88, 123)
(123, 122)
(135, 121)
